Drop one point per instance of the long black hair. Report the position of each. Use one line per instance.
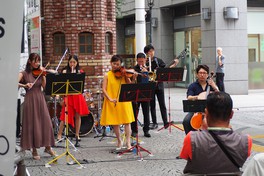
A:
(68, 68)
(32, 57)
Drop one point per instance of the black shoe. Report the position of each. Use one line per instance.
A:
(153, 126)
(77, 145)
(134, 134)
(146, 134)
(178, 157)
(166, 125)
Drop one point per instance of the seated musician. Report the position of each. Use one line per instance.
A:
(198, 90)
(218, 149)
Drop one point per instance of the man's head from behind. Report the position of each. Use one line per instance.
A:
(219, 107)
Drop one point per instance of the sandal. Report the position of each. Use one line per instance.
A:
(78, 137)
(35, 155)
(50, 152)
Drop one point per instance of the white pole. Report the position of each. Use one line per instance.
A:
(140, 25)
(10, 48)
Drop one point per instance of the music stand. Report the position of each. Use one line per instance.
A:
(136, 92)
(170, 75)
(65, 84)
(197, 106)
(194, 106)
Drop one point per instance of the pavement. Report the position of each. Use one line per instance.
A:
(98, 159)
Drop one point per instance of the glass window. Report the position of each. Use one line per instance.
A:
(191, 40)
(58, 43)
(86, 43)
(108, 38)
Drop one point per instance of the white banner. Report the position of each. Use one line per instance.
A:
(11, 20)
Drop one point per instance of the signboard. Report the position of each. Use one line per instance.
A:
(10, 47)
(35, 35)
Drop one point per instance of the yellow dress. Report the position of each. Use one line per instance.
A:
(120, 114)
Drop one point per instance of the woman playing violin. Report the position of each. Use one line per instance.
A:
(37, 128)
(116, 113)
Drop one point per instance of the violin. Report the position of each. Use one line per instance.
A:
(39, 72)
(124, 72)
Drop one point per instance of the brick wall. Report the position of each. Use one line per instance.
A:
(72, 18)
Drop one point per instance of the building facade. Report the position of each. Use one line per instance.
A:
(201, 27)
(86, 28)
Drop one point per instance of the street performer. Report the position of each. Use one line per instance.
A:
(197, 90)
(153, 63)
(117, 113)
(141, 68)
(37, 128)
(77, 106)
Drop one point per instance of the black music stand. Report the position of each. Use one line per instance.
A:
(65, 84)
(136, 92)
(170, 75)
(194, 106)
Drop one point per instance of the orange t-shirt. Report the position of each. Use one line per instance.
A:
(186, 152)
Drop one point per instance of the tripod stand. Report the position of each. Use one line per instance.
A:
(65, 84)
(103, 135)
(170, 75)
(136, 92)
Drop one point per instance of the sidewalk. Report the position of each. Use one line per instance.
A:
(165, 146)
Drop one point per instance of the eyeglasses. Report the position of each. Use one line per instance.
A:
(202, 73)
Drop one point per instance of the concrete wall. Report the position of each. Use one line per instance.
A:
(231, 35)
(162, 35)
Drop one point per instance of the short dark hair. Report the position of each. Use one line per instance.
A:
(205, 67)
(116, 58)
(141, 55)
(147, 48)
(219, 105)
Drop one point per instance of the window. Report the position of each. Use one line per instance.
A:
(108, 39)
(86, 43)
(59, 43)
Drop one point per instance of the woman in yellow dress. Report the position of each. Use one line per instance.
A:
(116, 113)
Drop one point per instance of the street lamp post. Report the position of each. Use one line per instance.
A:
(150, 4)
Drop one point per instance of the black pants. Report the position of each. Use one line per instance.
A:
(163, 110)
(187, 123)
(145, 109)
(220, 81)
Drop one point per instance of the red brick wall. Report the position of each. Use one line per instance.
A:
(72, 18)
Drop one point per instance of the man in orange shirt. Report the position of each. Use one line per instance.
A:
(218, 149)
